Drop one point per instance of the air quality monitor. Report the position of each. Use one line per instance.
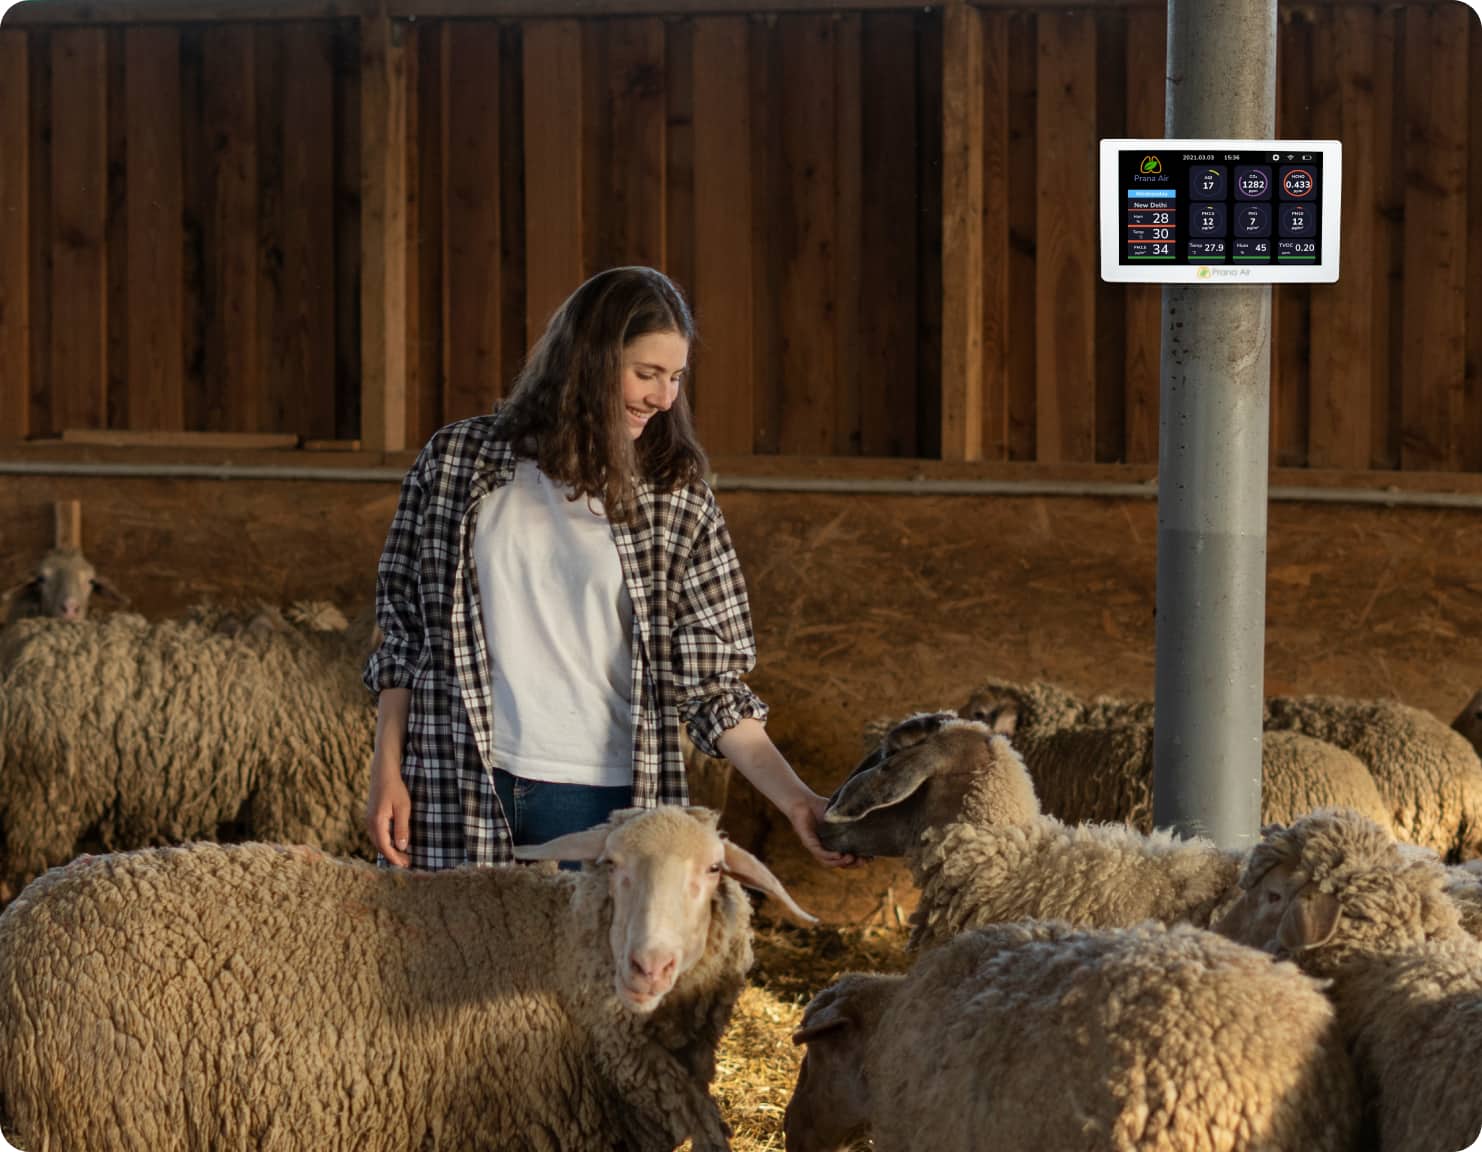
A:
(1220, 211)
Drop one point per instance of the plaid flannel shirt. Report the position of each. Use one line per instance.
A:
(692, 641)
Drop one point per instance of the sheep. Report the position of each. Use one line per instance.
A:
(708, 777)
(126, 733)
(61, 587)
(269, 996)
(1039, 1036)
(1094, 761)
(1427, 773)
(955, 799)
(1335, 893)
(1469, 722)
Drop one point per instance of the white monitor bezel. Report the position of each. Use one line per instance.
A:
(1112, 204)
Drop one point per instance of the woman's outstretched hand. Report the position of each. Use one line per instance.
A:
(805, 816)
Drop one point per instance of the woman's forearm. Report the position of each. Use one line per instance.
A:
(392, 708)
(748, 747)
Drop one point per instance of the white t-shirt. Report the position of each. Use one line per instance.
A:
(558, 624)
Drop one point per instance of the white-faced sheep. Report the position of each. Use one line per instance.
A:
(1427, 773)
(956, 800)
(1336, 894)
(61, 588)
(271, 997)
(1094, 760)
(127, 732)
(1034, 1036)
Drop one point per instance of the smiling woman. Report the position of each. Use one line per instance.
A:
(559, 592)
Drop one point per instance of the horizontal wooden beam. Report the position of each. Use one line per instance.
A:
(35, 12)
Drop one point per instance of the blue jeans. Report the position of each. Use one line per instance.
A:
(538, 810)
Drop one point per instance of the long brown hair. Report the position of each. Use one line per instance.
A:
(566, 406)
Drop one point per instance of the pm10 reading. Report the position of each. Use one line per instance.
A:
(1231, 210)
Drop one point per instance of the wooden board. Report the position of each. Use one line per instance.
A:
(512, 258)
(889, 327)
(1434, 305)
(38, 51)
(634, 211)
(345, 52)
(15, 223)
(130, 438)
(231, 382)
(962, 234)
(155, 203)
(472, 221)
(553, 74)
(724, 383)
(1470, 435)
(1065, 298)
(116, 235)
(1109, 301)
(768, 191)
(1386, 270)
(79, 186)
(998, 168)
(679, 159)
(1146, 83)
(849, 194)
(1023, 235)
(1290, 327)
(808, 236)
(1343, 365)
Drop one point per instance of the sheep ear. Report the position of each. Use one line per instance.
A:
(1004, 720)
(754, 874)
(830, 1019)
(107, 588)
(586, 845)
(883, 786)
(16, 589)
(1310, 920)
(706, 816)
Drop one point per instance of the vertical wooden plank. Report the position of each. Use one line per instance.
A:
(553, 167)
(425, 237)
(79, 178)
(929, 72)
(116, 236)
(1109, 300)
(15, 265)
(512, 208)
(635, 128)
(155, 209)
(414, 37)
(809, 365)
(383, 235)
(230, 229)
(345, 52)
(998, 165)
(1065, 286)
(767, 103)
(295, 103)
(679, 137)
(1023, 232)
(724, 391)
(1290, 330)
(193, 180)
(598, 246)
(1435, 236)
(1388, 261)
(888, 323)
(39, 141)
(66, 524)
(1470, 437)
(1341, 388)
(474, 308)
(962, 233)
(848, 209)
(1146, 66)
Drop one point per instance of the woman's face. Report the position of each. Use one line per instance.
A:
(653, 368)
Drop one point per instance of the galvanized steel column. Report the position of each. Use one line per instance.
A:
(1215, 402)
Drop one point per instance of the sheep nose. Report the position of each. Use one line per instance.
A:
(655, 968)
(71, 610)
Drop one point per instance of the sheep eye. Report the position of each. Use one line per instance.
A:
(714, 869)
(1273, 897)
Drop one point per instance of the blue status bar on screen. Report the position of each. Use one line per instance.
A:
(1152, 193)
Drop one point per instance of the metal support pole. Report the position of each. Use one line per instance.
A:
(1215, 405)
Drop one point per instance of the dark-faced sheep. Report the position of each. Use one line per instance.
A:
(259, 996)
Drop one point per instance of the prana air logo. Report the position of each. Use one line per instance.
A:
(1151, 166)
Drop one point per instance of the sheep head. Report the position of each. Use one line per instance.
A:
(1335, 883)
(830, 1105)
(64, 584)
(930, 770)
(1007, 707)
(1469, 722)
(663, 870)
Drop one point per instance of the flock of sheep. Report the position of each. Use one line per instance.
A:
(1080, 981)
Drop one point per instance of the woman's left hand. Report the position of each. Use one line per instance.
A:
(805, 815)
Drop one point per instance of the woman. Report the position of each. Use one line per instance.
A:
(557, 593)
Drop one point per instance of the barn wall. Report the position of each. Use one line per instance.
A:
(181, 239)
